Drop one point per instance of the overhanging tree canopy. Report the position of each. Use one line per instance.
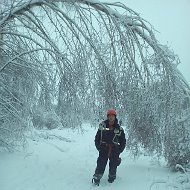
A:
(85, 55)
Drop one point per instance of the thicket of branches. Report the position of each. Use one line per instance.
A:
(63, 62)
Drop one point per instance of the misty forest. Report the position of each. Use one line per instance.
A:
(65, 62)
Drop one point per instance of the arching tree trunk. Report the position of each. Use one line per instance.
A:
(92, 57)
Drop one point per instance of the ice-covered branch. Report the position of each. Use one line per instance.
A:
(83, 56)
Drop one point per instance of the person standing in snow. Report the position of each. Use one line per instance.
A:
(110, 142)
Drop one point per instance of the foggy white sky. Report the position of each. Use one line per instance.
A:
(171, 19)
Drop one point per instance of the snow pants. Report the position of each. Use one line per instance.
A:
(102, 162)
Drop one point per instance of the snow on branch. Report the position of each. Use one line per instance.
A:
(71, 56)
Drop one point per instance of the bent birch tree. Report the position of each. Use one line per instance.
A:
(79, 58)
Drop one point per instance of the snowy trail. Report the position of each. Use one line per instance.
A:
(58, 164)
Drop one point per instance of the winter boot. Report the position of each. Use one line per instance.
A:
(96, 180)
(111, 179)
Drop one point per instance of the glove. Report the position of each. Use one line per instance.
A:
(118, 161)
(98, 147)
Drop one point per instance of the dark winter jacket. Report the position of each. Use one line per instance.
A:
(106, 136)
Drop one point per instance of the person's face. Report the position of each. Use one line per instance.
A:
(111, 118)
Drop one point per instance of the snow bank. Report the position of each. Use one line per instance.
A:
(66, 160)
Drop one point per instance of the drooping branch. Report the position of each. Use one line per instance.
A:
(135, 23)
(84, 57)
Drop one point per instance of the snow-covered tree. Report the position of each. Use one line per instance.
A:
(77, 58)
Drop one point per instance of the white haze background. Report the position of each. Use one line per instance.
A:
(171, 19)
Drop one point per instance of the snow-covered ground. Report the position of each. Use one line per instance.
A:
(66, 160)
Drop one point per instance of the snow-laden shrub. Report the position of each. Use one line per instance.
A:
(177, 147)
(38, 119)
(42, 118)
(144, 123)
(51, 120)
(12, 135)
(17, 89)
